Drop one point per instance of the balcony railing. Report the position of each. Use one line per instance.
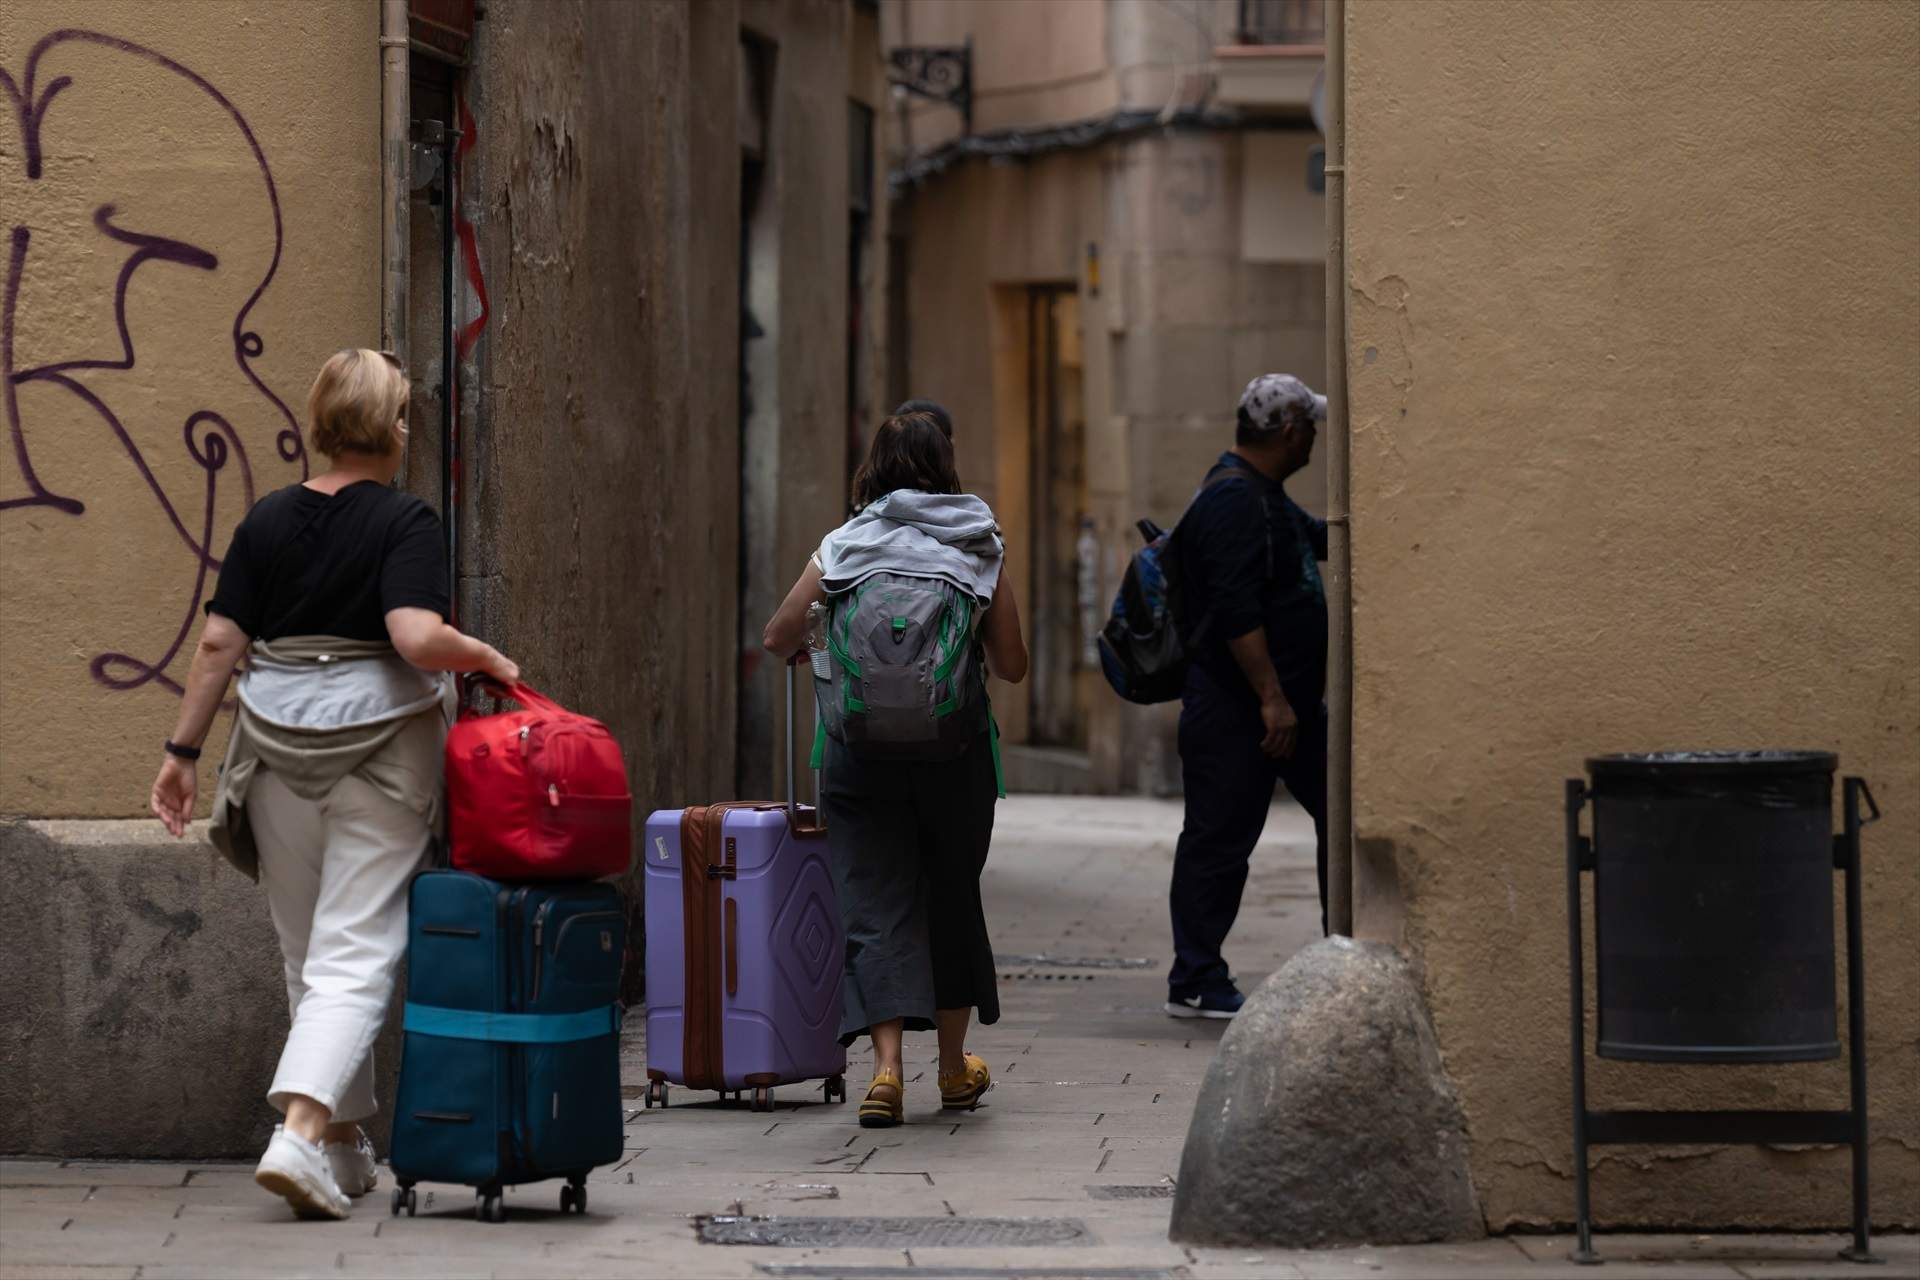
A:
(1292, 22)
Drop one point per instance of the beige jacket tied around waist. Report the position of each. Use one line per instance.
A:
(316, 709)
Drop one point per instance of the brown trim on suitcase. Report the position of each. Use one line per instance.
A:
(807, 823)
(706, 859)
(703, 1003)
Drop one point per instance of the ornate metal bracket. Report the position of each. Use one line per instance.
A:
(938, 73)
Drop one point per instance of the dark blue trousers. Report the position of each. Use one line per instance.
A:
(1229, 789)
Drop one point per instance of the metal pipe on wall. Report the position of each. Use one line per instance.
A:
(449, 373)
(396, 175)
(1339, 527)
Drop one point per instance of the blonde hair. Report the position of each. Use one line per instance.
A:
(357, 397)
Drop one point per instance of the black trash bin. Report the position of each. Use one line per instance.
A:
(1713, 892)
(1713, 906)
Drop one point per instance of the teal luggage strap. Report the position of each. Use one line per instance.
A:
(512, 1028)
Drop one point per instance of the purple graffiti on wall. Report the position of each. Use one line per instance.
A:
(209, 439)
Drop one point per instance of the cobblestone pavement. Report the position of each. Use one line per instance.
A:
(1067, 1172)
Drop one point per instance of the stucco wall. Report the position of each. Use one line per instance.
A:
(196, 213)
(192, 226)
(1634, 299)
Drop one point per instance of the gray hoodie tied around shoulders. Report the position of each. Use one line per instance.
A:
(951, 536)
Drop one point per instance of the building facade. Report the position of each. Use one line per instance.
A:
(1635, 409)
(1095, 250)
(626, 269)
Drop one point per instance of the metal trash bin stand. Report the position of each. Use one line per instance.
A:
(1713, 922)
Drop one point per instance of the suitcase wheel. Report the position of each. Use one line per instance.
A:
(406, 1198)
(656, 1094)
(489, 1206)
(573, 1197)
(762, 1098)
(835, 1089)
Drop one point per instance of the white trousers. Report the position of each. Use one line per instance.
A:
(336, 874)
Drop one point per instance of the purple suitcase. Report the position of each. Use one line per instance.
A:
(744, 949)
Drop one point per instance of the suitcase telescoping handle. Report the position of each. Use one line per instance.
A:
(793, 748)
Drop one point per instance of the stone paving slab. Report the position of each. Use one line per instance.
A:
(34, 1271)
(54, 1173)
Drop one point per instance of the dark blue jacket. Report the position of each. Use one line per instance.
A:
(1248, 558)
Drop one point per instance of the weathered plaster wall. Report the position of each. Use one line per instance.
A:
(191, 227)
(603, 457)
(1636, 464)
(189, 197)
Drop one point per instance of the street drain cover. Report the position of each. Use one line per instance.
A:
(893, 1233)
(1158, 1191)
(1072, 962)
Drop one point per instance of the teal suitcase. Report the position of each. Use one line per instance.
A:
(510, 1065)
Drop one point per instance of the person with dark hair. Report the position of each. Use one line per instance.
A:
(915, 605)
(1252, 712)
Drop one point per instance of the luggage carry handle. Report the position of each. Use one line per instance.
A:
(519, 691)
(793, 794)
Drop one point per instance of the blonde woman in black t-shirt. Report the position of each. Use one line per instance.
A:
(336, 592)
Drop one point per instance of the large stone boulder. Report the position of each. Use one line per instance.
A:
(1326, 1117)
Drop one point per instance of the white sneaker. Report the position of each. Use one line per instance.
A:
(1215, 1004)
(354, 1169)
(297, 1170)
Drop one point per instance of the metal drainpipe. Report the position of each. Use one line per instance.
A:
(396, 175)
(1339, 529)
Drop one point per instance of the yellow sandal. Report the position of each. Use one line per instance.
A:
(961, 1091)
(878, 1112)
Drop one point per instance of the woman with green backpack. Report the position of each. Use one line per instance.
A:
(917, 609)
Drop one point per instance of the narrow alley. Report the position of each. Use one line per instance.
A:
(1067, 1171)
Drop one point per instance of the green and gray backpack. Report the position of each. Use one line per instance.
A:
(904, 677)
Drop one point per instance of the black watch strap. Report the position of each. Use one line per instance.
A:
(185, 753)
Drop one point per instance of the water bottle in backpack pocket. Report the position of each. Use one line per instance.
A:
(904, 674)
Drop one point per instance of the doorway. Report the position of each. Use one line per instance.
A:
(1060, 691)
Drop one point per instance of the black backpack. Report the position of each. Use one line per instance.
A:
(1144, 646)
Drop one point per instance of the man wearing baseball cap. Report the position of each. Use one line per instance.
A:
(1254, 613)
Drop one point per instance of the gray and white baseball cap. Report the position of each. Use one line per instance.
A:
(1273, 399)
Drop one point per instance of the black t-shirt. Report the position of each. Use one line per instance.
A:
(1248, 555)
(303, 563)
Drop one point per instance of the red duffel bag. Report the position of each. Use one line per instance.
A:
(536, 794)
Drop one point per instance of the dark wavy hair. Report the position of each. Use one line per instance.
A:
(910, 451)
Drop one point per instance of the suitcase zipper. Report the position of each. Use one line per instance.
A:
(540, 928)
(504, 1142)
(518, 1054)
